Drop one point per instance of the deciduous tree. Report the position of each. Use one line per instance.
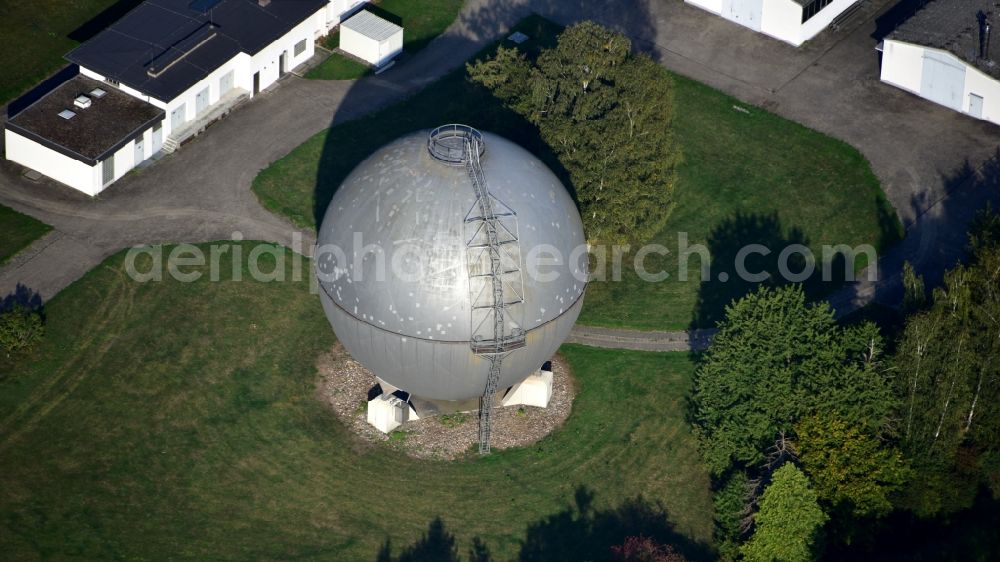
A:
(849, 466)
(607, 114)
(948, 363)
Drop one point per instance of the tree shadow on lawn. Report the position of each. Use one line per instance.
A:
(729, 245)
(582, 532)
(578, 532)
(753, 243)
(24, 297)
(436, 545)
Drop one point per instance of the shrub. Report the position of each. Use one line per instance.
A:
(20, 329)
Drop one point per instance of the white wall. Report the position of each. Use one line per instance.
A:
(390, 48)
(128, 90)
(782, 19)
(987, 87)
(714, 6)
(903, 65)
(266, 61)
(336, 9)
(55, 165)
(70, 171)
(368, 49)
(361, 46)
(241, 79)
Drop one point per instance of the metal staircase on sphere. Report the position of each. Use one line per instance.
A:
(494, 263)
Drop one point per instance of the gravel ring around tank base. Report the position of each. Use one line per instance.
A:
(344, 385)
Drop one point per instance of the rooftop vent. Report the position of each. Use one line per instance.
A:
(176, 52)
(263, 3)
(97, 93)
(67, 114)
(82, 101)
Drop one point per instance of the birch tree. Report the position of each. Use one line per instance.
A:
(948, 378)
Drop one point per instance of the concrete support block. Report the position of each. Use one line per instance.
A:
(535, 390)
(386, 412)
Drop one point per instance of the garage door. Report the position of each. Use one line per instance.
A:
(943, 79)
(744, 12)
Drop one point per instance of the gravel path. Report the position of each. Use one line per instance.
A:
(344, 385)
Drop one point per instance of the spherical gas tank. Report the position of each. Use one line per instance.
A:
(404, 279)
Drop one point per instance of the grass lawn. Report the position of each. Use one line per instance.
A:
(422, 21)
(748, 176)
(337, 66)
(19, 231)
(171, 420)
(36, 35)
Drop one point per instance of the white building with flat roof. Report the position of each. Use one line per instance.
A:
(190, 61)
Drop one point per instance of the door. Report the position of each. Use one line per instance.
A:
(201, 101)
(976, 106)
(281, 64)
(744, 12)
(157, 138)
(256, 83)
(140, 151)
(225, 83)
(177, 118)
(943, 79)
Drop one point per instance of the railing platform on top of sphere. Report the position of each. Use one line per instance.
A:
(447, 143)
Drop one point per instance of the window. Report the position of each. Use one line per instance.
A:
(300, 47)
(813, 8)
(108, 170)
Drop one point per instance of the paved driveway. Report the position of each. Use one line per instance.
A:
(202, 192)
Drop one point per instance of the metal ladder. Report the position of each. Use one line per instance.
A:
(493, 253)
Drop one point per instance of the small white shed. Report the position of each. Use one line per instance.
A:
(371, 38)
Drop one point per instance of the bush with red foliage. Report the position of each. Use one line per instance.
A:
(644, 549)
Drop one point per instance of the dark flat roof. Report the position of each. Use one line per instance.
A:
(953, 26)
(183, 42)
(95, 132)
